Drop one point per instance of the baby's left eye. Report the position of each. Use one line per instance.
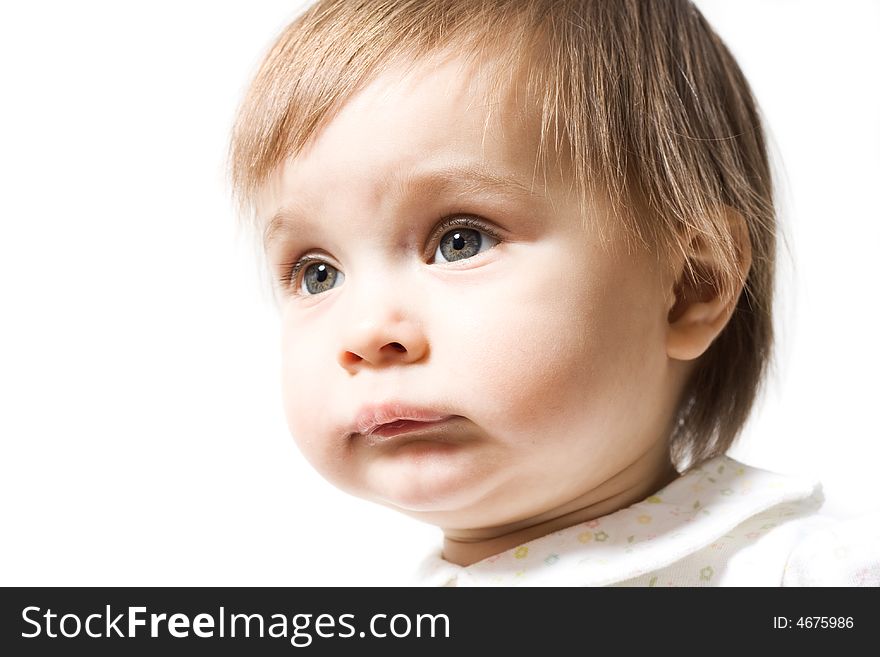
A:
(462, 243)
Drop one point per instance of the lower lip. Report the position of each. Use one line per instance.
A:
(404, 426)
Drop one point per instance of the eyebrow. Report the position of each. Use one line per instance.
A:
(463, 179)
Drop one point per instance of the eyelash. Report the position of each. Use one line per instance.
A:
(290, 271)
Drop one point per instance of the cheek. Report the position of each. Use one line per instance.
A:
(544, 360)
(306, 396)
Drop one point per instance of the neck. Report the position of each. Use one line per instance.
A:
(651, 472)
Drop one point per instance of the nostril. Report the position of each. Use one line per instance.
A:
(397, 346)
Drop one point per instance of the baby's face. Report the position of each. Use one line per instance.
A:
(433, 293)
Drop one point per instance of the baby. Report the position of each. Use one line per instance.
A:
(523, 253)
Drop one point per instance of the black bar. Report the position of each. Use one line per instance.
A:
(518, 621)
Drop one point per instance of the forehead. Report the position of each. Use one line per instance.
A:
(436, 122)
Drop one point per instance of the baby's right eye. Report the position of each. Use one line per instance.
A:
(317, 277)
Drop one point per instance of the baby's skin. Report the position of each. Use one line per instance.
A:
(462, 345)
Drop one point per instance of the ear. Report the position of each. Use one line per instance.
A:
(701, 303)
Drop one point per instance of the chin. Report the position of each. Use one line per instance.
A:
(426, 486)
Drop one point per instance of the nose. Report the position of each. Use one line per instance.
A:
(387, 338)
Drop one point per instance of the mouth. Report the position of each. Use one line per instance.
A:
(399, 427)
(379, 422)
(437, 433)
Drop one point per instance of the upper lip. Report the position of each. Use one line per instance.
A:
(372, 416)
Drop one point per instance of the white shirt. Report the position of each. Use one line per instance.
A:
(722, 524)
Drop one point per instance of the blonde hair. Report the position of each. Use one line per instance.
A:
(642, 100)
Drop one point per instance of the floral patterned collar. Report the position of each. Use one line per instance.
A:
(685, 516)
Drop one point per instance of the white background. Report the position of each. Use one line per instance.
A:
(143, 441)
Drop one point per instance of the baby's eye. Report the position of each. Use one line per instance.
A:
(462, 237)
(319, 277)
(462, 243)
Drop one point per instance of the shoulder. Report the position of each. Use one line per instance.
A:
(750, 548)
(840, 552)
(750, 521)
